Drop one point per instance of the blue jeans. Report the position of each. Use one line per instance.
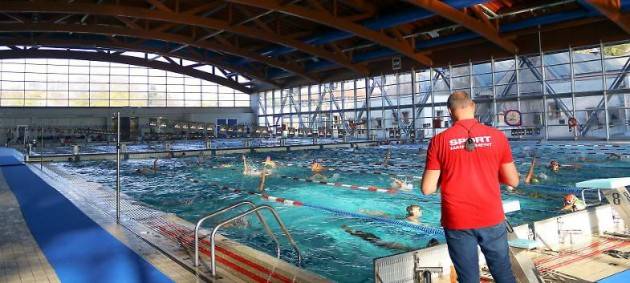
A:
(462, 247)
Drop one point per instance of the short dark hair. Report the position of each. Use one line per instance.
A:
(459, 99)
(411, 207)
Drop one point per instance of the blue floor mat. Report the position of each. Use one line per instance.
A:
(77, 248)
(9, 157)
(621, 277)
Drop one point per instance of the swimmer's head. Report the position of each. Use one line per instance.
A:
(535, 180)
(414, 210)
(268, 158)
(570, 199)
(554, 165)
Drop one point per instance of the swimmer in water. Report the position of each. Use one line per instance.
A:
(573, 203)
(270, 164)
(146, 171)
(388, 156)
(530, 178)
(414, 212)
(155, 166)
(398, 184)
(248, 170)
(317, 177)
(334, 177)
(555, 166)
(201, 158)
(261, 184)
(143, 171)
(377, 241)
(373, 212)
(613, 156)
(317, 167)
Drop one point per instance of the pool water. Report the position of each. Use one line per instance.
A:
(183, 186)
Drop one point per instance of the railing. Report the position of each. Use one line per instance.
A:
(254, 210)
(223, 210)
(599, 196)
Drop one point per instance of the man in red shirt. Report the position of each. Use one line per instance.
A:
(469, 160)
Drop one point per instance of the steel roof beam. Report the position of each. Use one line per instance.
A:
(116, 58)
(116, 44)
(185, 19)
(147, 35)
(611, 9)
(323, 17)
(487, 31)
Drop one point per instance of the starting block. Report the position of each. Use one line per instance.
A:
(615, 192)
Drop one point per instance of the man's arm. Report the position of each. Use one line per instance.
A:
(508, 174)
(430, 181)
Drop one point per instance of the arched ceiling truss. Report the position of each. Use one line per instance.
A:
(116, 57)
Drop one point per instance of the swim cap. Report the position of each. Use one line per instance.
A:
(570, 198)
(535, 181)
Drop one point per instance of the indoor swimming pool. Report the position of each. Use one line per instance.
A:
(347, 216)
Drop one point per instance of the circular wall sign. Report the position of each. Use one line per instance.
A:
(513, 118)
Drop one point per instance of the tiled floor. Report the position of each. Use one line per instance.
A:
(21, 260)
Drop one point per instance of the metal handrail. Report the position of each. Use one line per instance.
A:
(246, 202)
(599, 194)
(253, 210)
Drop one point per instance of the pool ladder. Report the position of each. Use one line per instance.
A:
(253, 210)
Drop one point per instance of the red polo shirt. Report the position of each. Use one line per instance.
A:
(469, 181)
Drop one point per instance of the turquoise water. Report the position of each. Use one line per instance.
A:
(328, 249)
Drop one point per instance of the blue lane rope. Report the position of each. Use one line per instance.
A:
(557, 189)
(420, 228)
